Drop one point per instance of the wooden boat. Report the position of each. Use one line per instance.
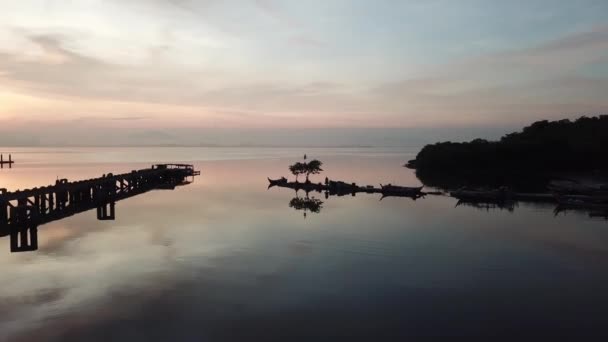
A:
(281, 180)
(583, 198)
(369, 189)
(413, 196)
(534, 197)
(574, 188)
(400, 190)
(499, 195)
(588, 202)
(601, 214)
(341, 185)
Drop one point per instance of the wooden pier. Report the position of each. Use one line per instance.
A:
(21, 212)
(8, 162)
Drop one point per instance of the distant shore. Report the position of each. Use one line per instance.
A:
(543, 151)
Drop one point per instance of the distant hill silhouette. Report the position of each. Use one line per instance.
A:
(545, 147)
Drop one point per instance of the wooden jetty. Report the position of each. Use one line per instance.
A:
(8, 162)
(21, 212)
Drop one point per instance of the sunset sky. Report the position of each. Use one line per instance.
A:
(173, 71)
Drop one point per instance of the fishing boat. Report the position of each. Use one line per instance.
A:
(600, 213)
(279, 181)
(499, 195)
(589, 202)
(575, 188)
(400, 190)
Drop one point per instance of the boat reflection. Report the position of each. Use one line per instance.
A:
(311, 204)
(598, 213)
(487, 206)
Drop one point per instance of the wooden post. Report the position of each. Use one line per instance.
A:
(34, 238)
(21, 210)
(3, 213)
(103, 214)
(14, 240)
(23, 238)
(43, 204)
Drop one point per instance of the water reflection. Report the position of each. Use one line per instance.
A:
(306, 204)
(224, 252)
(311, 204)
(24, 236)
(599, 213)
(21, 212)
(504, 191)
(487, 206)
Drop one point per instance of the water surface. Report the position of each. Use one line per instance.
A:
(226, 259)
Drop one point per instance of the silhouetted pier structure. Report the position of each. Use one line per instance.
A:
(21, 212)
(8, 162)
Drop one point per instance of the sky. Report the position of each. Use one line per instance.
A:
(355, 72)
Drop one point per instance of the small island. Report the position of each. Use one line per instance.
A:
(526, 160)
(338, 188)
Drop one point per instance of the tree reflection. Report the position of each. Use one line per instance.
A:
(306, 204)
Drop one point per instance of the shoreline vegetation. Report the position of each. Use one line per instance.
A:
(563, 162)
(527, 160)
(559, 162)
(567, 195)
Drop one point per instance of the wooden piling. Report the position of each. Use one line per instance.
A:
(9, 162)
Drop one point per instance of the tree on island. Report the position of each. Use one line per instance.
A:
(303, 168)
(298, 169)
(313, 168)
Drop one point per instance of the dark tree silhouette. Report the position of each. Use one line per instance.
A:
(313, 168)
(298, 169)
(562, 145)
(544, 148)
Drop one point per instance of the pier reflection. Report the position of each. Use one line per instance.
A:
(24, 237)
(22, 212)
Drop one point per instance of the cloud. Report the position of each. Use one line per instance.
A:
(270, 8)
(522, 85)
(545, 80)
(129, 118)
(307, 41)
(74, 75)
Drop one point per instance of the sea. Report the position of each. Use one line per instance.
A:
(225, 258)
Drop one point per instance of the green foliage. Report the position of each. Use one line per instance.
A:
(547, 146)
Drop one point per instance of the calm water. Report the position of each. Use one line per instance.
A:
(226, 259)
